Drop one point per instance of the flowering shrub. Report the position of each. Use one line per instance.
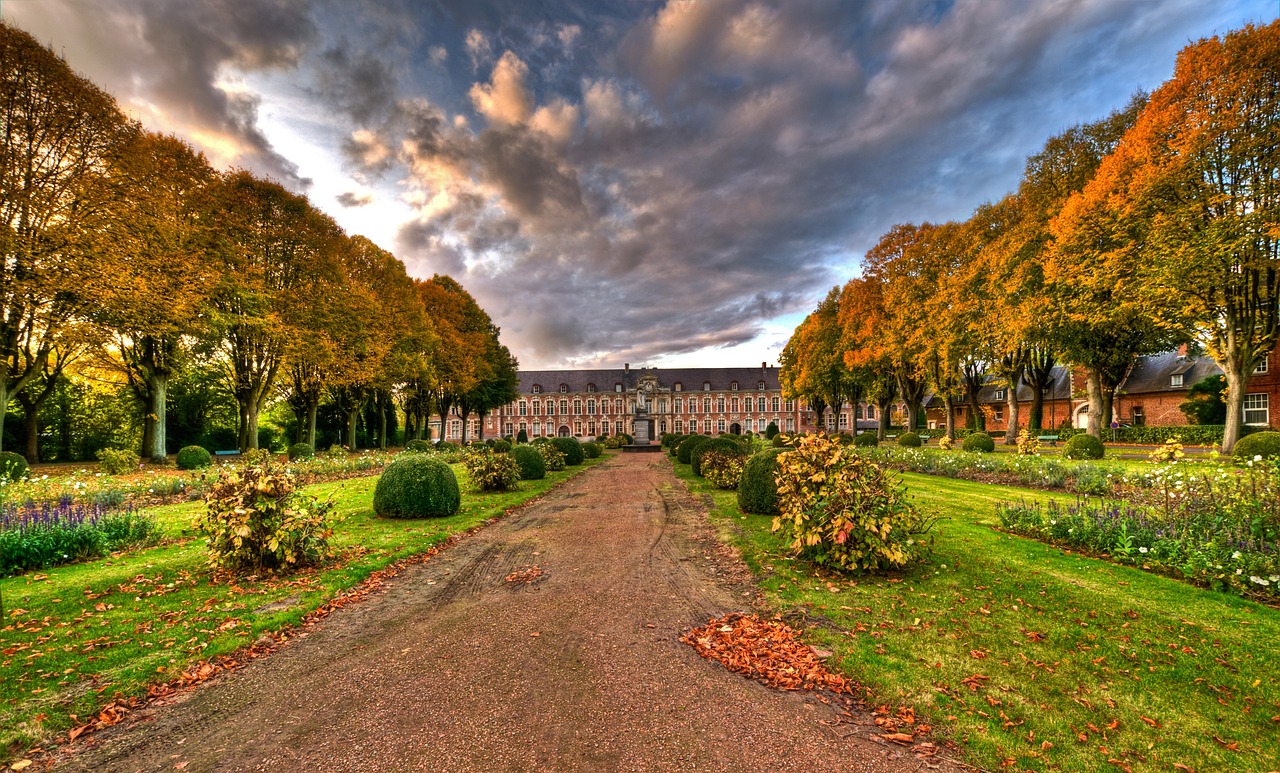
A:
(36, 537)
(118, 461)
(255, 520)
(1171, 452)
(1028, 443)
(946, 443)
(723, 469)
(552, 457)
(1035, 471)
(841, 510)
(490, 471)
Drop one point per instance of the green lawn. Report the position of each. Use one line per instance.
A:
(1085, 665)
(76, 636)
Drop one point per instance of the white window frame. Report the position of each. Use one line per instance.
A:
(1264, 365)
(1258, 404)
(1176, 379)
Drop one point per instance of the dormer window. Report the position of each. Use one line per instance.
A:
(733, 386)
(537, 389)
(760, 385)
(591, 387)
(564, 389)
(999, 394)
(678, 387)
(1175, 380)
(706, 386)
(617, 386)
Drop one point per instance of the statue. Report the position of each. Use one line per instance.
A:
(643, 395)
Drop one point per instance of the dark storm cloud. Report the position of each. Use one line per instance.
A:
(352, 199)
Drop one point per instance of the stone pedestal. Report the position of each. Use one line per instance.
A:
(641, 436)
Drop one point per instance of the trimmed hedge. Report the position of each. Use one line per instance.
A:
(13, 466)
(532, 465)
(417, 446)
(1083, 447)
(592, 450)
(1264, 444)
(866, 440)
(194, 458)
(500, 446)
(909, 440)
(726, 444)
(417, 486)
(684, 452)
(979, 442)
(571, 448)
(758, 489)
(299, 451)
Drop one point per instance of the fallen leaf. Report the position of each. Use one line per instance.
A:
(904, 738)
(1150, 721)
(20, 765)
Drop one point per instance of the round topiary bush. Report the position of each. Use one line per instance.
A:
(979, 442)
(194, 458)
(417, 486)
(417, 446)
(1264, 444)
(448, 445)
(866, 440)
(522, 437)
(1077, 447)
(571, 448)
(684, 451)
(592, 450)
(724, 444)
(758, 489)
(771, 430)
(500, 446)
(910, 440)
(13, 466)
(532, 465)
(301, 451)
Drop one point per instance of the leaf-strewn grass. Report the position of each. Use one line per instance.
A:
(75, 636)
(1089, 665)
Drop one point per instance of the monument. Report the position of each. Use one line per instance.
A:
(641, 439)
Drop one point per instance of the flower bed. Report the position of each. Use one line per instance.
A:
(1093, 478)
(40, 536)
(1219, 530)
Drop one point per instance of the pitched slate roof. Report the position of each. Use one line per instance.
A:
(1154, 373)
(1060, 389)
(690, 379)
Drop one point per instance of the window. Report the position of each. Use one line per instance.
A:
(577, 409)
(998, 414)
(749, 425)
(858, 412)
(775, 403)
(720, 426)
(591, 407)
(706, 386)
(706, 405)
(791, 425)
(1175, 379)
(564, 407)
(577, 428)
(662, 427)
(760, 403)
(733, 404)
(733, 386)
(510, 429)
(1256, 410)
(617, 386)
(760, 385)
(1262, 366)
(999, 394)
(719, 405)
(1139, 416)
(524, 409)
(617, 405)
(537, 389)
(564, 389)
(679, 405)
(591, 429)
(679, 426)
(871, 411)
(844, 421)
(693, 426)
(678, 387)
(791, 405)
(551, 407)
(591, 387)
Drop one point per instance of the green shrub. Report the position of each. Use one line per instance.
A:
(301, 452)
(592, 450)
(979, 442)
(571, 449)
(1082, 447)
(552, 457)
(532, 465)
(417, 446)
(337, 451)
(448, 445)
(844, 439)
(490, 471)
(194, 458)
(38, 537)
(758, 491)
(866, 440)
(1264, 444)
(522, 437)
(255, 520)
(771, 430)
(13, 466)
(722, 444)
(500, 446)
(417, 486)
(625, 438)
(841, 510)
(489, 442)
(256, 456)
(667, 439)
(118, 461)
(684, 453)
(909, 440)
(723, 469)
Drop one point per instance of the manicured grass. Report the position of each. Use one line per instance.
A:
(76, 636)
(1085, 662)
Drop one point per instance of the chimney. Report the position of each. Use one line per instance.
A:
(626, 367)
(1182, 351)
(764, 366)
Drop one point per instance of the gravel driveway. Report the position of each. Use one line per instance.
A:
(455, 667)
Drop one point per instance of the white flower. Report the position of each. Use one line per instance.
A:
(1142, 550)
(1257, 457)
(1235, 555)
(1259, 581)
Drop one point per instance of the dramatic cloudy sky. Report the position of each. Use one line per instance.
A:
(644, 182)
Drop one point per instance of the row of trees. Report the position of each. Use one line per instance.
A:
(1155, 226)
(126, 255)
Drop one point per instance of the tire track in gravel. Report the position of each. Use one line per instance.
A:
(453, 668)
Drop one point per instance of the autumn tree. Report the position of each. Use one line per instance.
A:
(1188, 204)
(812, 364)
(61, 134)
(859, 314)
(464, 332)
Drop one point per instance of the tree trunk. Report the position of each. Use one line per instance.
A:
(1236, 384)
(382, 423)
(883, 429)
(353, 417)
(158, 448)
(250, 418)
(148, 429)
(31, 429)
(1011, 429)
(1093, 387)
(950, 408)
(312, 408)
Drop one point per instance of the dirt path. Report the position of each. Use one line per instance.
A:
(456, 668)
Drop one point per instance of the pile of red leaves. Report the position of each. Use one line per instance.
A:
(525, 575)
(765, 650)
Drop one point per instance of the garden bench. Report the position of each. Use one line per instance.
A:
(225, 453)
(1050, 439)
(890, 437)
